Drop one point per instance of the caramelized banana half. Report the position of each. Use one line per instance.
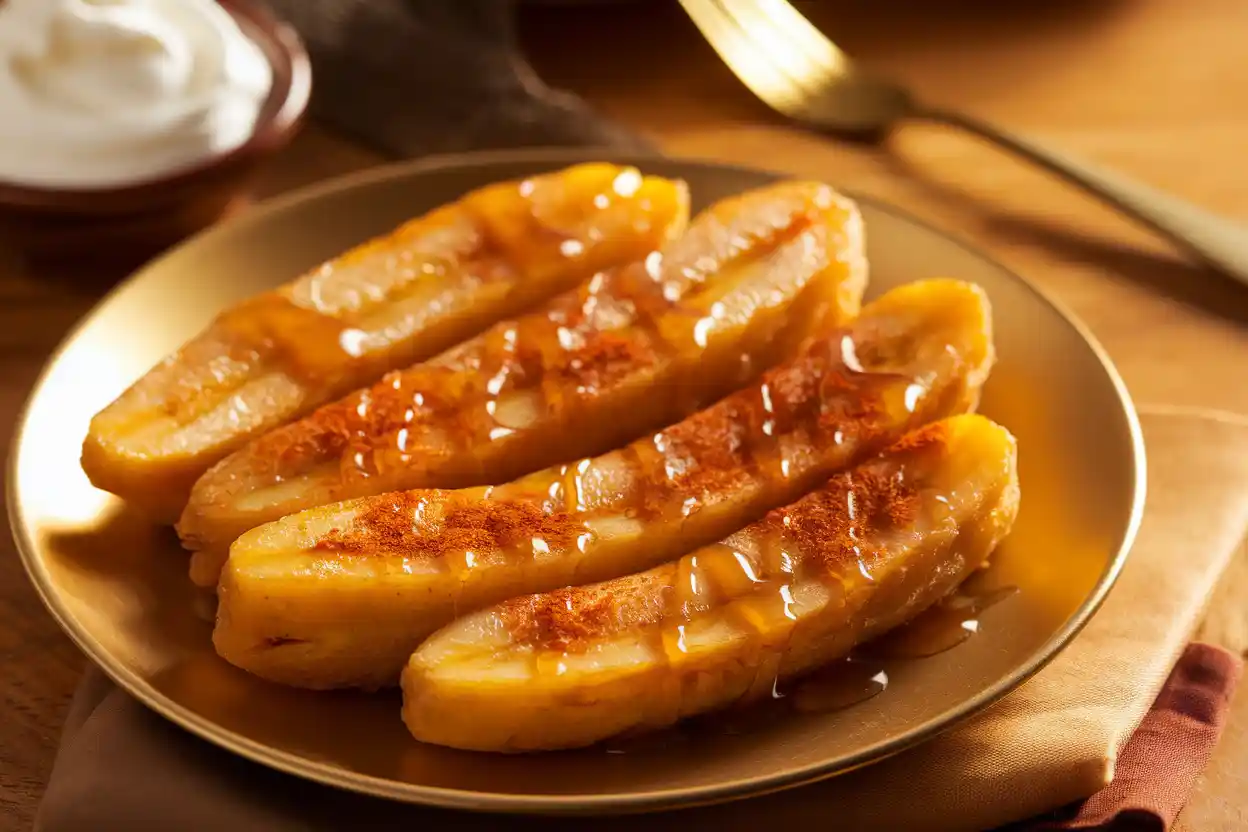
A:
(341, 595)
(397, 299)
(865, 553)
(629, 351)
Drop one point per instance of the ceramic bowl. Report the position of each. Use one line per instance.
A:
(138, 220)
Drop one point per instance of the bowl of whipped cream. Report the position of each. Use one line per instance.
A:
(127, 124)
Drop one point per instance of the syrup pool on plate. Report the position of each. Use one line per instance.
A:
(840, 685)
(941, 627)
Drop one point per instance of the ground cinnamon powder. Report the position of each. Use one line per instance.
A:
(562, 620)
(825, 529)
(395, 525)
(715, 445)
(817, 383)
(365, 421)
(604, 359)
(928, 436)
(794, 387)
(719, 447)
(884, 499)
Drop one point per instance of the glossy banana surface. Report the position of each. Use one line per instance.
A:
(340, 595)
(629, 351)
(866, 552)
(429, 284)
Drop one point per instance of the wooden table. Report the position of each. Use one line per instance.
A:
(1154, 88)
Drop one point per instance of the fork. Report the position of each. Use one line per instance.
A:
(797, 71)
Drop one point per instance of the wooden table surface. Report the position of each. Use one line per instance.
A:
(1154, 88)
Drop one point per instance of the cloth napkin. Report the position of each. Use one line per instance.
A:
(1090, 725)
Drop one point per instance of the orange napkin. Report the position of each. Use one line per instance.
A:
(1056, 740)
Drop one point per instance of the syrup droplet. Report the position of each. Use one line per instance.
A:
(547, 665)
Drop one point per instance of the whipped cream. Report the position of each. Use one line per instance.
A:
(100, 93)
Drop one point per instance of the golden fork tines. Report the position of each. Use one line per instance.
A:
(340, 595)
(431, 283)
(868, 551)
(629, 351)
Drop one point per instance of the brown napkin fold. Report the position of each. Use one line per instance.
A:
(1056, 740)
(1160, 763)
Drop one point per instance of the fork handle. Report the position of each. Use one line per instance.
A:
(1218, 242)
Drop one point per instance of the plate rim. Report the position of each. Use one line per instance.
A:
(552, 805)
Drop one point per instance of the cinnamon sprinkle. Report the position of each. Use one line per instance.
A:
(884, 500)
(714, 446)
(817, 382)
(370, 420)
(795, 386)
(828, 532)
(563, 620)
(852, 403)
(718, 444)
(603, 359)
(294, 447)
(364, 421)
(398, 524)
(928, 436)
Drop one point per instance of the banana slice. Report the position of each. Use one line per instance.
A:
(865, 553)
(433, 282)
(340, 595)
(629, 351)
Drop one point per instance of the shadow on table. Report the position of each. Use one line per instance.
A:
(1185, 282)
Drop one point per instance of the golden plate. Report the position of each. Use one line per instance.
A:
(119, 588)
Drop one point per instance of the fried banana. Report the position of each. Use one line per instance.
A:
(387, 303)
(342, 594)
(848, 562)
(629, 351)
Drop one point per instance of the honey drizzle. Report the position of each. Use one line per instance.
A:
(519, 228)
(600, 351)
(838, 685)
(662, 463)
(750, 579)
(324, 348)
(651, 299)
(750, 576)
(816, 401)
(310, 346)
(533, 354)
(574, 486)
